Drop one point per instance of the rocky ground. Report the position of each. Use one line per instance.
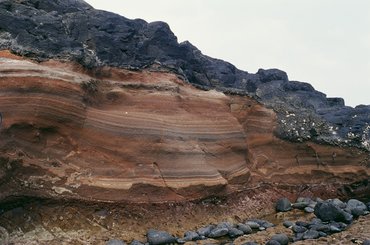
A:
(40, 222)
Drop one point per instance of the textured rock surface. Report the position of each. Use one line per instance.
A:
(73, 30)
(123, 134)
(99, 108)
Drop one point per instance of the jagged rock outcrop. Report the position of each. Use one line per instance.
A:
(73, 30)
(102, 108)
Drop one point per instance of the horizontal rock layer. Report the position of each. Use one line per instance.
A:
(117, 135)
(74, 31)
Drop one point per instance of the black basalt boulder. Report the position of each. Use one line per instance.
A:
(328, 211)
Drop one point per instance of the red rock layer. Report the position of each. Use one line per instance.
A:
(144, 136)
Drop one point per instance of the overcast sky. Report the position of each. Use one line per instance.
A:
(323, 42)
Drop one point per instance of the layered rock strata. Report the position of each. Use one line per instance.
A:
(73, 30)
(120, 135)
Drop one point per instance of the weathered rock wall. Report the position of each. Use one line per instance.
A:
(119, 135)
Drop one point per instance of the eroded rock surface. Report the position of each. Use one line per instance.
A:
(73, 30)
(120, 135)
(98, 109)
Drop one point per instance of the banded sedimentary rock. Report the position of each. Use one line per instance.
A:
(117, 135)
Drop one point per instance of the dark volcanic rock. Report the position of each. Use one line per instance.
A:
(159, 237)
(73, 30)
(272, 242)
(204, 231)
(298, 229)
(218, 232)
(283, 205)
(356, 207)
(234, 232)
(115, 242)
(288, 223)
(136, 242)
(328, 211)
(311, 234)
(244, 228)
(191, 236)
(281, 238)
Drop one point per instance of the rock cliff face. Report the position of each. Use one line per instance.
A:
(121, 135)
(102, 108)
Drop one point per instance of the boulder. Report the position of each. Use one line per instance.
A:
(159, 237)
(283, 205)
(356, 207)
(298, 229)
(115, 242)
(218, 232)
(204, 231)
(329, 211)
(244, 228)
(300, 205)
(311, 234)
(309, 209)
(234, 232)
(272, 242)
(281, 238)
(191, 236)
(136, 242)
(252, 224)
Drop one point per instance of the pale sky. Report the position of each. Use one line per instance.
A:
(323, 42)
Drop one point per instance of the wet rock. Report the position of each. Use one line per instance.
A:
(191, 236)
(252, 224)
(310, 234)
(356, 207)
(115, 242)
(309, 209)
(299, 229)
(322, 234)
(234, 232)
(329, 211)
(159, 237)
(218, 232)
(250, 243)
(366, 242)
(136, 242)
(283, 205)
(204, 231)
(244, 228)
(281, 238)
(288, 223)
